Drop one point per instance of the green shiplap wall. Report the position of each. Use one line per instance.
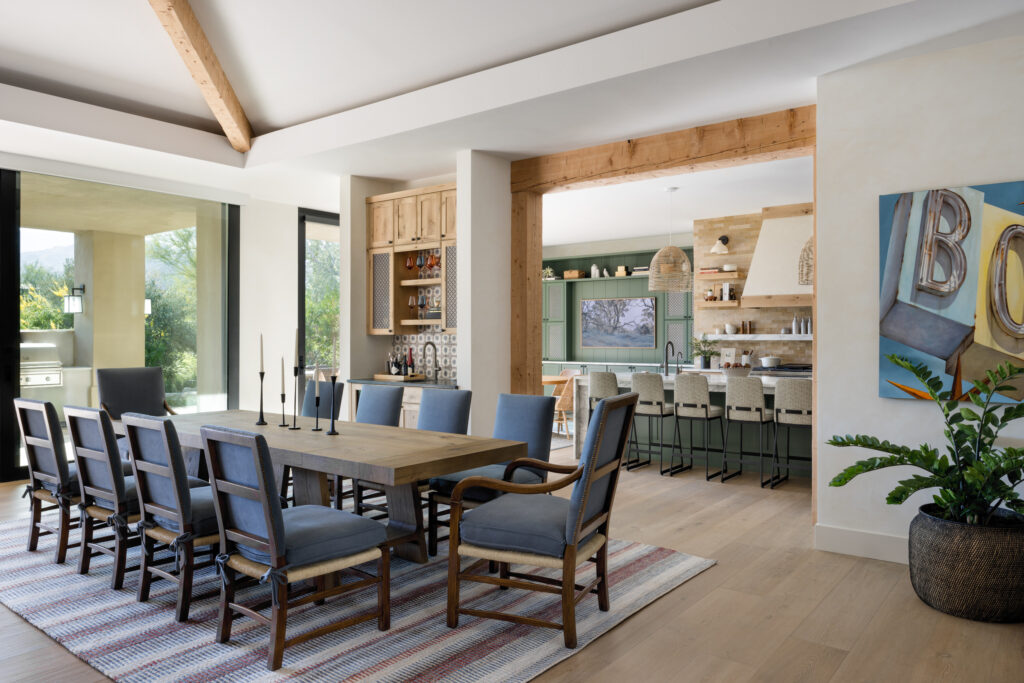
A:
(611, 288)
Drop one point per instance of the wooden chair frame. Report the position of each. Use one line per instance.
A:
(93, 516)
(324, 587)
(41, 499)
(154, 537)
(571, 593)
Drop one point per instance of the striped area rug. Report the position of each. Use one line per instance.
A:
(131, 641)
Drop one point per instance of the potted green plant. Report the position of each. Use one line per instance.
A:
(966, 548)
(703, 350)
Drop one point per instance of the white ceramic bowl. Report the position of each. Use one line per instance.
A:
(729, 268)
(730, 329)
(736, 372)
(770, 362)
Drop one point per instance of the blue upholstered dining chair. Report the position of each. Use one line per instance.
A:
(445, 410)
(175, 516)
(261, 541)
(518, 418)
(309, 408)
(523, 527)
(378, 405)
(132, 390)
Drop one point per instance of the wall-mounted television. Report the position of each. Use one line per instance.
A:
(627, 323)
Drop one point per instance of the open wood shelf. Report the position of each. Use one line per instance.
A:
(411, 322)
(716, 304)
(778, 301)
(420, 282)
(760, 337)
(734, 275)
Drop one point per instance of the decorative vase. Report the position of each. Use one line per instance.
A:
(970, 571)
(702, 362)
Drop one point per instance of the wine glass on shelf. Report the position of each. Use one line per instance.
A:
(420, 262)
(433, 263)
(423, 305)
(412, 305)
(409, 263)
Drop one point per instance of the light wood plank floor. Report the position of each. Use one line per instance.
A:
(772, 609)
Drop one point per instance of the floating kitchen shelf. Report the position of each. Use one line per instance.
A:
(421, 282)
(733, 275)
(433, 321)
(760, 337)
(717, 304)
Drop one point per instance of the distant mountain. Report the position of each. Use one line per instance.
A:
(52, 258)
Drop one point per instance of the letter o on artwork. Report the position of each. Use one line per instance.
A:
(998, 299)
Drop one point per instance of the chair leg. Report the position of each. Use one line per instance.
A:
(603, 603)
(569, 598)
(63, 530)
(145, 578)
(120, 562)
(227, 596)
(185, 582)
(320, 584)
(431, 525)
(278, 624)
(35, 507)
(384, 590)
(357, 497)
(453, 583)
(503, 573)
(337, 492)
(86, 552)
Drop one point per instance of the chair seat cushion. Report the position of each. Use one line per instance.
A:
(204, 516)
(528, 523)
(445, 484)
(126, 469)
(314, 533)
(663, 409)
(713, 411)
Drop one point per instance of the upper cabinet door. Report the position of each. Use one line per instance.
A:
(406, 220)
(382, 224)
(429, 215)
(448, 215)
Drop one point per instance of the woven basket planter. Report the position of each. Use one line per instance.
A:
(970, 571)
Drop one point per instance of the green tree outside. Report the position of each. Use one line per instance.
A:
(42, 296)
(323, 285)
(171, 324)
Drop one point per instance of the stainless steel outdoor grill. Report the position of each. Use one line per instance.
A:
(40, 365)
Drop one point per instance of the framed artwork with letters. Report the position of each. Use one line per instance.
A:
(952, 284)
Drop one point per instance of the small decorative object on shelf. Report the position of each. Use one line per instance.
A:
(703, 351)
(595, 272)
(334, 409)
(548, 273)
(620, 271)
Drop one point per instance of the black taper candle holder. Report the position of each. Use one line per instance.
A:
(261, 421)
(284, 422)
(295, 401)
(316, 422)
(333, 431)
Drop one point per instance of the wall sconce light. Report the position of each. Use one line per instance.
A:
(719, 247)
(147, 307)
(73, 301)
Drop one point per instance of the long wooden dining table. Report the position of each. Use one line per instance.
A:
(394, 458)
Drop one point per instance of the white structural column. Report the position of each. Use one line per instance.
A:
(210, 281)
(361, 354)
(484, 297)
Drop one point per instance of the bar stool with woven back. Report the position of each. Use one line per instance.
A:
(262, 541)
(693, 404)
(601, 385)
(744, 403)
(52, 484)
(651, 404)
(564, 395)
(793, 405)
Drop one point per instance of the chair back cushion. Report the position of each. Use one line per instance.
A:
(650, 387)
(154, 441)
(744, 392)
(97, 457)
(44, 443)
(445, 410)
(793, 401)
(249, 502)
(603, 385)
(380, 405)
(692, 395)
(606, 443)
(131, 390)
(309, 408)
(530, 419)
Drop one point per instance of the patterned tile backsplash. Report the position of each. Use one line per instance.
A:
(445, 350)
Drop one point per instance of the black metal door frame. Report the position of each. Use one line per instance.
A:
(10, 323)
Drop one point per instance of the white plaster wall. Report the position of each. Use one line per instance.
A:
(943, 119)
(484, 215)
(268, 256)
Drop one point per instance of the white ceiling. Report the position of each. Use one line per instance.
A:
(642, 208)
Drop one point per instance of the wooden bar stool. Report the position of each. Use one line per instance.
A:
(744, 403)
(793, 403)
(693, 404)
(651, 404)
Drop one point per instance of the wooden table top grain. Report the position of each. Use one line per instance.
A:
(385, 455)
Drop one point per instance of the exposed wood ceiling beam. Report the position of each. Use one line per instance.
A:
(189, 39)
(779, 135)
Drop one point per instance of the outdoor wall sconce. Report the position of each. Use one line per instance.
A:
(73, 301)
(147, 306)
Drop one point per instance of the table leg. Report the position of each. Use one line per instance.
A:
(405, 520)
(309, 487)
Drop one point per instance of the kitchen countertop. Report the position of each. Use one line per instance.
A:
(444, 384)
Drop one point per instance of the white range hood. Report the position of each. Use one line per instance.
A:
(773, 277)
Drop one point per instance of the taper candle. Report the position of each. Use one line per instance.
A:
(261, 352)
(296, 347)
(316, 380)
(282, 375)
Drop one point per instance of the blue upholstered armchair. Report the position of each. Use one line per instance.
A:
(522, 527)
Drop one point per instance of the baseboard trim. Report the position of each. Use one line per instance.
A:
(871, 544)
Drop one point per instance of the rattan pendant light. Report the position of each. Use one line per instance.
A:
(670, 268)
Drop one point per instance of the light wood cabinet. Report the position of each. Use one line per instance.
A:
(448, 215)
(381, 224)
(429, 217)
(380, 303)
(406, 221)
